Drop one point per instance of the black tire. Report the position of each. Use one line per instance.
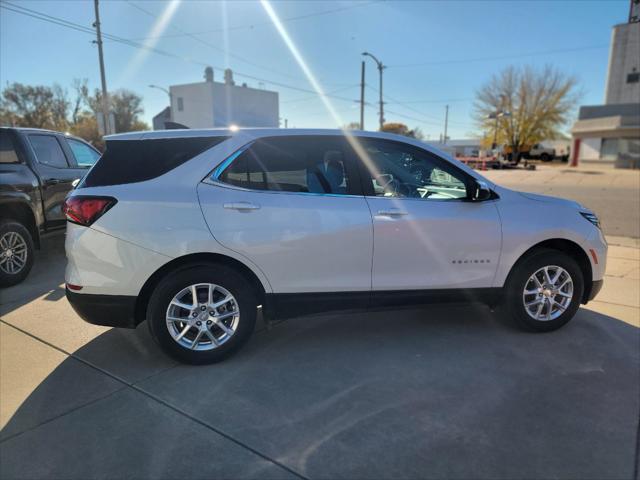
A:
(171, 284)
(519, 277)
(8, 279)
(545, 157)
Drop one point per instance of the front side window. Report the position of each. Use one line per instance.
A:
(399, 171)
(48, 151)
(303, 164)
(85, 155)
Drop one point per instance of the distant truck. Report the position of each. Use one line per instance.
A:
(533, 152)
(37, 170)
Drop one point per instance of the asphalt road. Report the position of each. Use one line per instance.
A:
(432, 393)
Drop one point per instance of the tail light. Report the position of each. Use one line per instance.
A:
(84, 210)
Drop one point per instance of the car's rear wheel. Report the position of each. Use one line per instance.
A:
(544, 291)
(202, 314)
(16, 253)
(545, 157)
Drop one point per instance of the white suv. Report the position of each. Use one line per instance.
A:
(194, 230)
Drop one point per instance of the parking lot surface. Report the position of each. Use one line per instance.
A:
(445, 391)
(614, 194)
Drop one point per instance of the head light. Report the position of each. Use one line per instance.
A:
(591, 217)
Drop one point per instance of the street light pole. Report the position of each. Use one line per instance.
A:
(103, 79)
(381, 67)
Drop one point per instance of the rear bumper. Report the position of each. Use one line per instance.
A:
(107, 310)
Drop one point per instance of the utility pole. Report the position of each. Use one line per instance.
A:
(381, 67)
(446, 123)
(362, 97)
(105, 97)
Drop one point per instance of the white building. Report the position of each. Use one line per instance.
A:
(610, 133)
(220, 104)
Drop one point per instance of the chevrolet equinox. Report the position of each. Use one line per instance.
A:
(193, 230)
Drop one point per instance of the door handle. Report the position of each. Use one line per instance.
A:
(51, 181)
(241, 206)
(392, 212)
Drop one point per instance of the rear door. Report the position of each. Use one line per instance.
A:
(294, 206)
(427, 235)
(57, 174)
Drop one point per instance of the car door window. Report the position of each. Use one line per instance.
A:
(85, 155)
(48, 151)
(302, 164)
(396, 170)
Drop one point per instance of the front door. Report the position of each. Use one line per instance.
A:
(427, 235)
(293, 206)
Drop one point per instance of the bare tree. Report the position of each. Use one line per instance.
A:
(531, 105)
(34, 106)
(81, 96)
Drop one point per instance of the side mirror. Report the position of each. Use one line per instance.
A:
(480, 191)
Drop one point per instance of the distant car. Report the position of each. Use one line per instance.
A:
(37, 170)
(193, 230)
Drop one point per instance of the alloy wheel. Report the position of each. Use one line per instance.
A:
(203, 316)
(13, 253)
(548, 293)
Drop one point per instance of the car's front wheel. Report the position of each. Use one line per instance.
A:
(544, 291)
(202, 314)
(16, 253)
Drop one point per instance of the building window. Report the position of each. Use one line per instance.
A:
(633, 77)
(180, 104)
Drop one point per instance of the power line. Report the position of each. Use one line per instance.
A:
(211, 45)
(315, 97)
(83, 29)
(419, 112)
(502, 57)
(446, 100)
(266, 23)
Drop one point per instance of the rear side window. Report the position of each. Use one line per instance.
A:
(7, 150)
(306, 164)
(48, 151)
(131, 161)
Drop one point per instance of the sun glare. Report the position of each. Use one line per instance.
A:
(157, 29)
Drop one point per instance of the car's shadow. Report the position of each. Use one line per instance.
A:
(437, 392)
(46, 277)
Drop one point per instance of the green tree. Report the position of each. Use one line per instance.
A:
(531, 105)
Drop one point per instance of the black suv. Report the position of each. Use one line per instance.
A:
(37, 170)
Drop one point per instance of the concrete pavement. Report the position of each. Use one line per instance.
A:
(439, 392)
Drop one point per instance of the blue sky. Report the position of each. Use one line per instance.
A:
(438, 52)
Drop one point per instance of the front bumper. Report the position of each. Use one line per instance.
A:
(596, 286)
(107, 310)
